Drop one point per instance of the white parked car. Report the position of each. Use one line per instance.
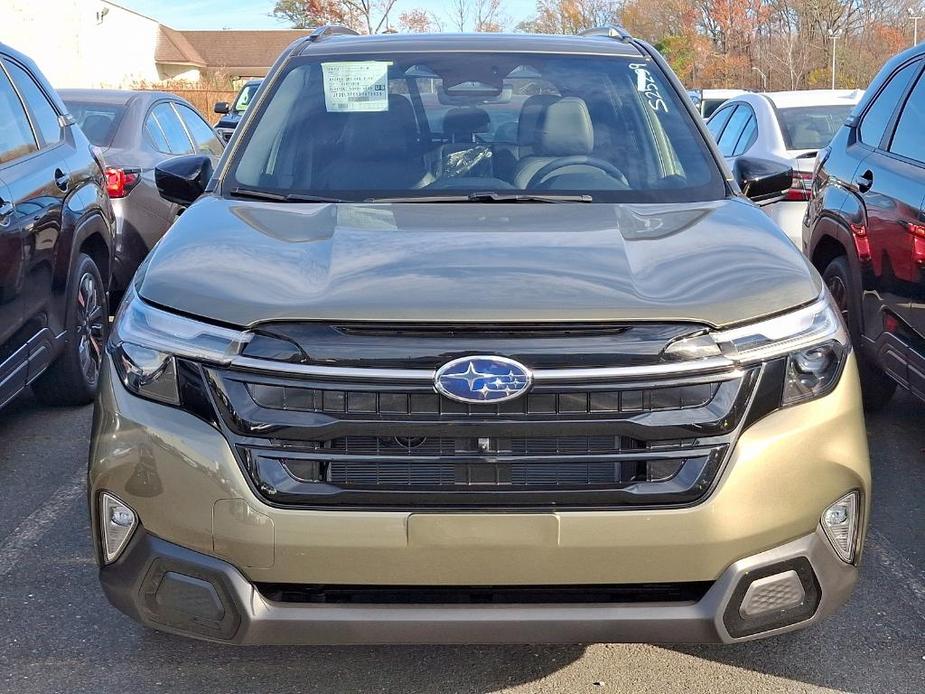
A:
(787, 127)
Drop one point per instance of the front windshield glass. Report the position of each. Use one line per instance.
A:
(441, 124)
(245, 96)
(812, 127)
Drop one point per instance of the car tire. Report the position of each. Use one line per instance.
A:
(876, 387)
(73, 378)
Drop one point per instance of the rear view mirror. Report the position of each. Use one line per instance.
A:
(182, 180)
(221, 107)
(762, 180)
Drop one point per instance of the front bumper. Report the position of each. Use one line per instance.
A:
(179, 475)
(180, 591)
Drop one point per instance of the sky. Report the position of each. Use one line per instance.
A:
(255, 14)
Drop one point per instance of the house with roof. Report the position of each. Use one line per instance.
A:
(98, 43)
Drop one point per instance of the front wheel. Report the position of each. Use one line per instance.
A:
(876, 387)
(73, 378)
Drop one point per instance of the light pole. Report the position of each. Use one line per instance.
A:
(833, 34)
(915, 17)
(764, 77)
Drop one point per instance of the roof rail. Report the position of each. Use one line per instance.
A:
(611, 31)
(329, 30)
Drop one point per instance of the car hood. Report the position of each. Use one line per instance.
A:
(243, 262)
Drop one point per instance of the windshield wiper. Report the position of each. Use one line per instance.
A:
(493, 196)
(279, 197)
(489, 196)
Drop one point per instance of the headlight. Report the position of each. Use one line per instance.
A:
(145, 342)
(813, 339)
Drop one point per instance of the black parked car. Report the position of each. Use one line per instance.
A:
(231, 114)
(55, 241)
(865, 227)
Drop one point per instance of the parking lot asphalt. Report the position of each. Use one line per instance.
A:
(58, 633)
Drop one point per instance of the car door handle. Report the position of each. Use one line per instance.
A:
(61, 179)
(865, 181)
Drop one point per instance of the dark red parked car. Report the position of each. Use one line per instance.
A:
(865, 227)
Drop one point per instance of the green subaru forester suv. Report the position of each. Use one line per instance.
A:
(473, 338)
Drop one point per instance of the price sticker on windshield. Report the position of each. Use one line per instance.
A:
(356, 86)
(646, 85)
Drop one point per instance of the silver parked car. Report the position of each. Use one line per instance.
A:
(132, 132)
(786, 128)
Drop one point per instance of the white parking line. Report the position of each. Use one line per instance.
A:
(18, 543)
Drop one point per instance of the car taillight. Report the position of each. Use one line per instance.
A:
(801, 187)
(119, 182)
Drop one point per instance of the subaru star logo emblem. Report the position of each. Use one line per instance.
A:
(483, 379)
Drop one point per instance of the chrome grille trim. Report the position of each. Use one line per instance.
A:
(540, 376)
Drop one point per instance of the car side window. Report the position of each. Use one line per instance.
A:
(16, 138)
(177, 140)
(719, 119)
(203, 135)
(732, 132)
(909, 137)
(748, 136)
(878, 115)
(43, 113)
(155, 135)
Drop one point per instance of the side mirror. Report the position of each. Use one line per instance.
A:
(762, 180)
(221, 107)
(183, 179)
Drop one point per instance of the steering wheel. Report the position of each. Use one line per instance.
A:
(575, 160)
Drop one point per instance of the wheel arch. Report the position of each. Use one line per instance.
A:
(93, 237)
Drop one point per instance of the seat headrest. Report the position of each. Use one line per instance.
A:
(566, 129)
(463, 123)
(381, 133)
(531, 115)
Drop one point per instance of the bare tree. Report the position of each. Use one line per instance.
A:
(366, 16)
(458, 14)
(489, 16)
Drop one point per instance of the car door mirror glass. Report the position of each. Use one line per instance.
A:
(762, 180)
(182, 180)
(221, 107)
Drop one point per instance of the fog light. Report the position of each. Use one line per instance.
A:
(840, 523)
(117, 521)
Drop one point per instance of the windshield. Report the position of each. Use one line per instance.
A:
(245, 96)
(812, 127)
(422, 125)
(98, 121)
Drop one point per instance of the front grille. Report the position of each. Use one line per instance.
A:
(366, 429)
(418, 446)
(485, 595)
(426, 474)
(359, 403)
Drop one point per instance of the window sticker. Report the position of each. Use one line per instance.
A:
(646, 84)
(356, 86)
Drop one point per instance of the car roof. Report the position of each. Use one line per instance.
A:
(502, 43)
(118, 97)
(815, 97)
